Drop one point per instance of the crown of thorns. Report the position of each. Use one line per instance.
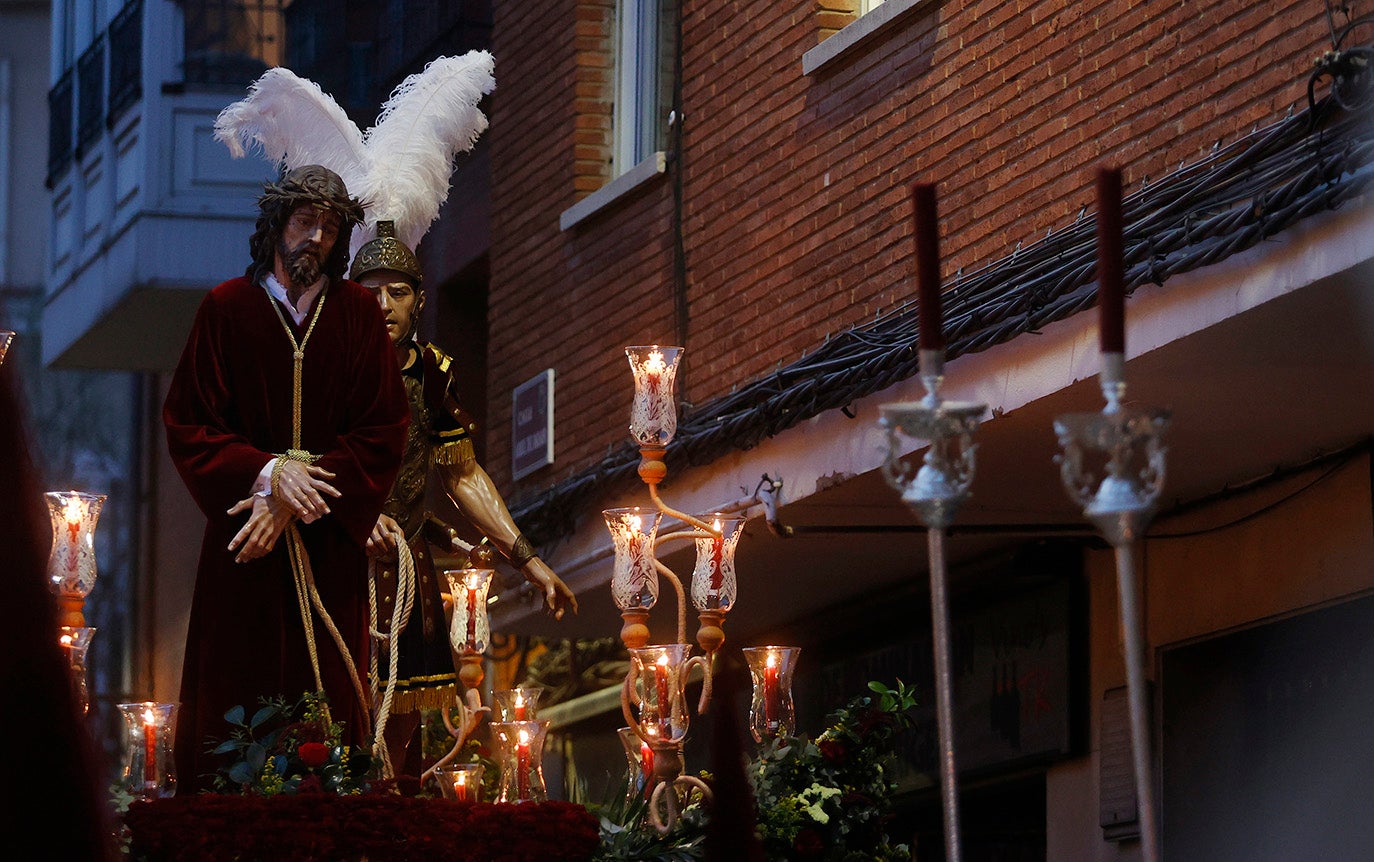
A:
(316, 186)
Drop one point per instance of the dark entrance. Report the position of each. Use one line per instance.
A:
(1267, 741)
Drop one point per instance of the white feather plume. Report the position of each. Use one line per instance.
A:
(293, 122)
(428, 120)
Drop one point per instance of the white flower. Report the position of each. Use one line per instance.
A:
(814, 797)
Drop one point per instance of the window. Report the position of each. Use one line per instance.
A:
(644, 54)
(231, 41)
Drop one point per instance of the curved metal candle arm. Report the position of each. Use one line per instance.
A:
(666, 795)
(471, 713)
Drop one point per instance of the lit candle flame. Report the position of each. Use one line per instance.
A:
(655, 365)
(73, 511)
(474, 581)
(65, 640)
(663, 661)
(772, 660)
(519, 699)
(524, 737)
(636, 523)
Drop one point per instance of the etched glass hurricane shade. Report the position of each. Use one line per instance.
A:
(149, 769)
(71, 566)
(634, 580)
(653, 413)
(713, 579)
(520, 752)
(470, 631)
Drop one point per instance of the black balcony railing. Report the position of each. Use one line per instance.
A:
(59, 128)
(90, 95)
(126, 60)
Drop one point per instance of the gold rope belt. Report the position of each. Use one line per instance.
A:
(307, 595)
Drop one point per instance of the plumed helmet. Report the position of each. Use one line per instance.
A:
(385, 251)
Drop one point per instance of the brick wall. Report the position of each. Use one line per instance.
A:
(796, 212)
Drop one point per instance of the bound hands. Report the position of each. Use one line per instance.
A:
(298, 494)
(265, 525)
(300, 485)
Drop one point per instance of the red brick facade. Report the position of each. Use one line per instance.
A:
(796, 213)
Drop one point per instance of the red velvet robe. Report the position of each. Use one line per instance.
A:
(227, 413)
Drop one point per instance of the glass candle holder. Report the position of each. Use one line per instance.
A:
(771, 712)
(639, 757)
(71, 565)
(516, 704)
(660, 678)
(470, 631)
(461, 782)
(520, 753)
(713, 578)
(634, 580)
(149, 771)
(75, 641)
(653, 412)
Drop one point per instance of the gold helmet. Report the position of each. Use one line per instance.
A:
(385, 252)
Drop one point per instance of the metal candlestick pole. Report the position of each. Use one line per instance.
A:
(1121, 508)
(935, 494)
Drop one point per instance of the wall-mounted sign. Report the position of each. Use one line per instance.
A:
(531, 443)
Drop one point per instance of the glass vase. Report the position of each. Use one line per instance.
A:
(660, 679)
(653, 412)
(75, 641)
(516, 704)
(461, 782)
(520, 753)
(639, 757)
(771, 712)
(149, 771)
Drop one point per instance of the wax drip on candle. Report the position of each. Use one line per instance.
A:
(1111, 289)
(927, 226)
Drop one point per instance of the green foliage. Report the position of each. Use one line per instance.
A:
(830, 798)
(627, 835)
(288, 748)
(827, 799)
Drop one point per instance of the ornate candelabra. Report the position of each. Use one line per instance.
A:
(936, 490)
(469, 635)
(1122, 504)
(654, 687)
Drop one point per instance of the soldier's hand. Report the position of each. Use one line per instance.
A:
(382, 542)
(557, 596)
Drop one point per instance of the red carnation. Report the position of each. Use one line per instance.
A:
(808, 843)
(832, 750)
(313, 754)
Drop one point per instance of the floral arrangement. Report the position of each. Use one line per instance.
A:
(827, 799)
(289, 748)
(830, 799)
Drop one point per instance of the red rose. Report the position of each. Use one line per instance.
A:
(808, 843)
(832, 750)
(313, 754)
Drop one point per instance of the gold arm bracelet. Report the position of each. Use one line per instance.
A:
(521, 552)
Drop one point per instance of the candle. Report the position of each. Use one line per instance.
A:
(932, 336)
(519, 705)
(472, 612)
(72, 512)
(1111, 290)
(460, 787)
(653, 367)
(661, 681)
(149, 749)
(522, 765)
(770, 690)
(717, 572)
